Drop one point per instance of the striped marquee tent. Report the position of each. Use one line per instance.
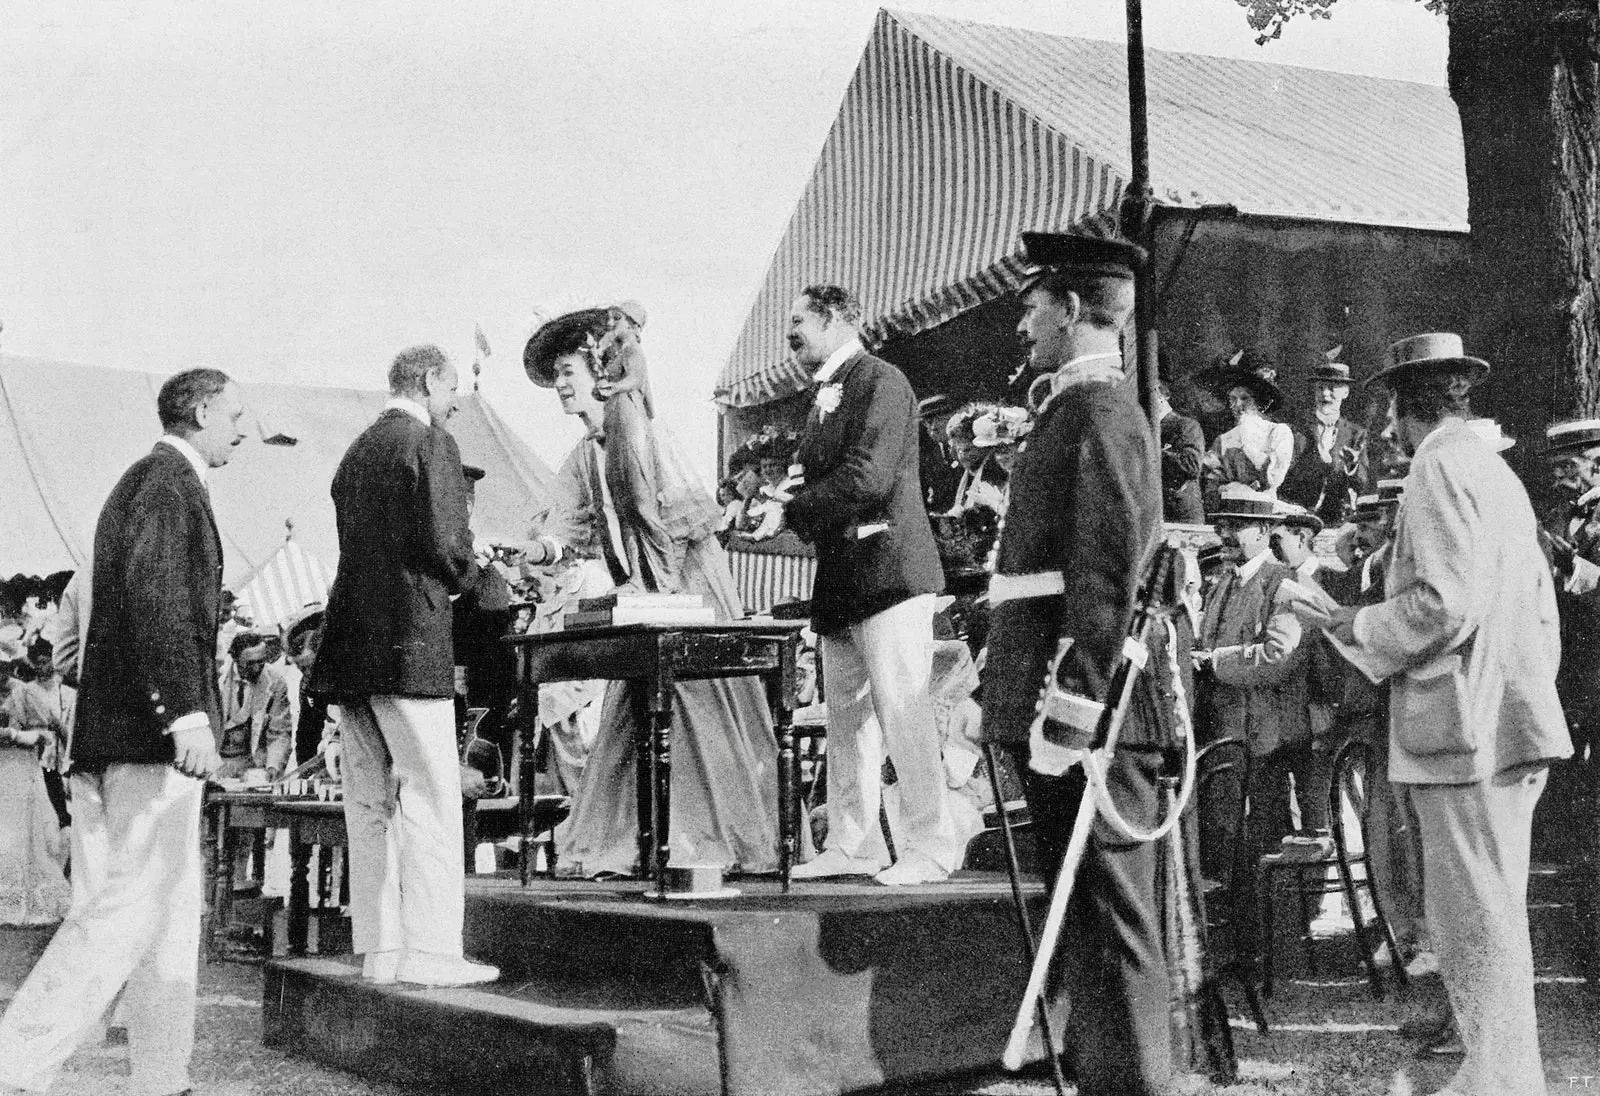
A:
(288, 582)
(955, 137)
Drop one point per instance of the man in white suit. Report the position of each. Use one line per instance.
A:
(1468, 637)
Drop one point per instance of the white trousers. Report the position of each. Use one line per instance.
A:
(1475, 851)
(402, 810)
(876, 677)
(135, 921)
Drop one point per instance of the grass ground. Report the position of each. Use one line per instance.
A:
(1329, 1037)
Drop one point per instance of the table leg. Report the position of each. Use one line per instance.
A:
(644, 784)
(299, 892)
(780, 698)
(223, 905)
(213, 875)
(661, 797)
(527, 778)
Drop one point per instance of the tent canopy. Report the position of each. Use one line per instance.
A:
(955, 137)
(68, 432)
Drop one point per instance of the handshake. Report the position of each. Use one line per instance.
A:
(766, 508)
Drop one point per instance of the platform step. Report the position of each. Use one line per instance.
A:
(517, 1036)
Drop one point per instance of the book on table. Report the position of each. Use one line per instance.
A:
(599, 612)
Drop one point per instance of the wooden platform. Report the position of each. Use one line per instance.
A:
(836, 987)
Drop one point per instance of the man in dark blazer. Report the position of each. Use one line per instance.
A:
(1183, 447)
(388, 661)
(147, 719)
(1084, 520)
(872, 601)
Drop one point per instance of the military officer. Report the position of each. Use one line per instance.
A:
(1084, 517)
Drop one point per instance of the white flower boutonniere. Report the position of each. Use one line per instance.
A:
(828, 397)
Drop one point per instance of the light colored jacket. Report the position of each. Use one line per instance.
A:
(1468, 633)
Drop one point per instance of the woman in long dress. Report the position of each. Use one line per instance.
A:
(724, 755)
(33, 888)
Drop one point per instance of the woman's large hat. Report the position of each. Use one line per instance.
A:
(1435, 352)
(557, 337)
(1247, 370)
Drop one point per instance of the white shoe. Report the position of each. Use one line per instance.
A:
(911, 869)
(1422, 964)
(429, 969)
(381, 967)
(833, 864)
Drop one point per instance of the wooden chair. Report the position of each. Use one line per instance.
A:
(1221, 782)
(1351, 764)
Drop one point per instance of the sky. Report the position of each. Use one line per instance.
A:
(295, 190)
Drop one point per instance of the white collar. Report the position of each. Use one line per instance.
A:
(837, 359)
(1449, 424)
(1324, 419)
(410, 407)
(190, 454)
(1249, 568)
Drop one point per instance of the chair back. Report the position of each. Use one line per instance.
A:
(1351, 764)
(1222, 777)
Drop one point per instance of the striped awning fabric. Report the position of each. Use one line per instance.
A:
(955, 137)
(926, 181)
(288, 582)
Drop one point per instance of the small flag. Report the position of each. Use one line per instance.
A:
(482, 341)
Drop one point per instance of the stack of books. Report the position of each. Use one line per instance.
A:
(599, 612)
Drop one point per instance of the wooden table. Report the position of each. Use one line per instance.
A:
(311, 823)
(656, 657)
(232, 813)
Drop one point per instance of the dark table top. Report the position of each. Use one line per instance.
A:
(778, 629)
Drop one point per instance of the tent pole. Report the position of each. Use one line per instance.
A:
(1137, 202)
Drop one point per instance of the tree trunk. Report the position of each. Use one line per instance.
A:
(1523, 76)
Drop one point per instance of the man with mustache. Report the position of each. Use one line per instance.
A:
(1083, 521)
(872, 600)
(144, 743)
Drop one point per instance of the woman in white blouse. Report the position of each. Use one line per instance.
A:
(1257, 452)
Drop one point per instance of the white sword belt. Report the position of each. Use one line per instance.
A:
(1003, 588)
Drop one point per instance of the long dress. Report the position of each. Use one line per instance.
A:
(723, 807)
(33, 889)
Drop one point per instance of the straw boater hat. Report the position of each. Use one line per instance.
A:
(308, 619)
(1567, 439)
(1297, 517)
(1439, 351)
(539, 356)
(1246, 504)
(1330, 370)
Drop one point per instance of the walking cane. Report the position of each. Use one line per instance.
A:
(1024, 922)
(1119, 694)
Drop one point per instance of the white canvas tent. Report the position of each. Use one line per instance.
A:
(67, 432)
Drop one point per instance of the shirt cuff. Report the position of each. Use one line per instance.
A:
(189, 722)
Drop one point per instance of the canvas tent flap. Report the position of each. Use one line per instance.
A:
(68, 432)
(955, 137)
